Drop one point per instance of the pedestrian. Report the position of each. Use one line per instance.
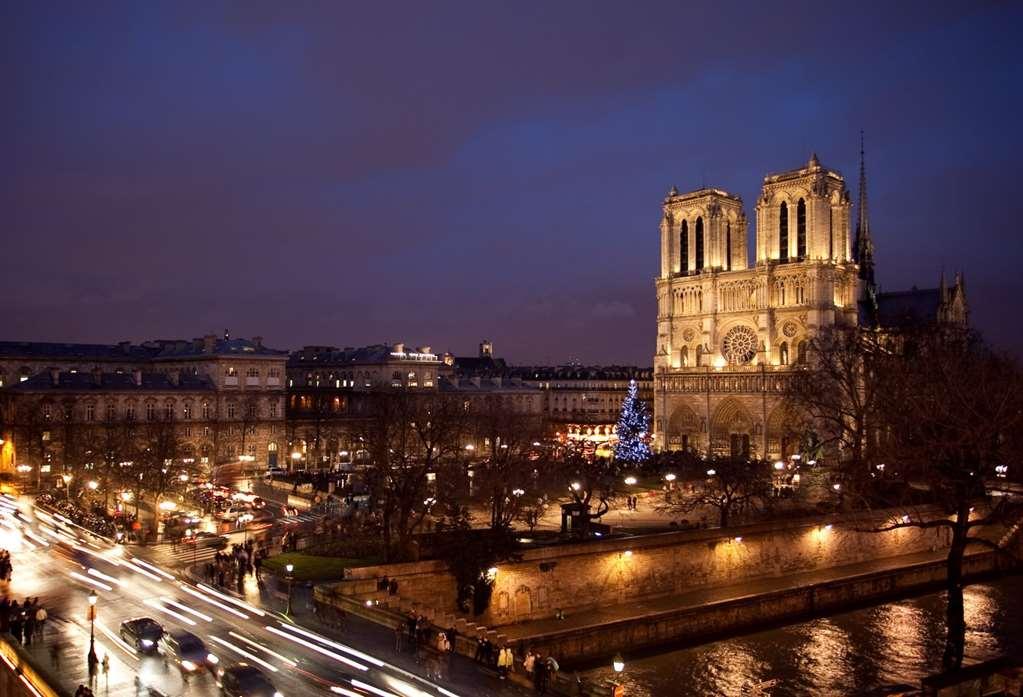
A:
(505, 661)
(41, 616)
(478, 657)
(106, 670)
(399, 638)
(30, 623)
(552, 669)
(17, 621)
(529, 662)
(540, 675)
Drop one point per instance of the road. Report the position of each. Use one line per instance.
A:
(53, 560)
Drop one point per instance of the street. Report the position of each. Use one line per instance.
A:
(61, 565)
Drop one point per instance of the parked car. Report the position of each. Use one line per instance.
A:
(208, 539)
(243, 680)
(142, 634)
(187, 650)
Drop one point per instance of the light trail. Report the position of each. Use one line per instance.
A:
(369, 688)
(158, 606)
(340, 647)
(344, 691)
(149, 566)
(140, 570)
(94, 582)
(211, 601)
(171, 601)
(250, 642)
(116, 639)
(100, 574)
(243, 652)
(80, 548)
(234, 601)
(37, 538)
(319, 649)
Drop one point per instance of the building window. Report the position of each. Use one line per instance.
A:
(90, 412)
(186, 412)
(168, 412)
(683, 247)
(728, 246)
(150, 412)
(206, 431)
(111, 412)
(699, 244)
(47, 412)
(273, 410)
(251, 409)
(783, 232)
(205, 411)
(273, 372)
(129, 412)
(231, 372)
(801, 352)
(230, 410)
(252, 373)
(801, 229)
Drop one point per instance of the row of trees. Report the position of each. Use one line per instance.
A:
(921, 419)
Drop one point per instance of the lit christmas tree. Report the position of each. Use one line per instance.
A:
(633, 426)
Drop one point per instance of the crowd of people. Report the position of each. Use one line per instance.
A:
(229, 569)
(25, 622)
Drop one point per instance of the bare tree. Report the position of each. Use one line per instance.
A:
(951, 410)
(733, 486)
(593, 483)
(410, 437)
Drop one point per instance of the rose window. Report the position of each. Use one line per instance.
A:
(739, 346)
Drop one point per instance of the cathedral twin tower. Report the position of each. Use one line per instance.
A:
(728, 334)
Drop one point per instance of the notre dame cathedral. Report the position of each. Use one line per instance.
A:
(729, 333)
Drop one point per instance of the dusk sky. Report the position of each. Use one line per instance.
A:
(436, 173)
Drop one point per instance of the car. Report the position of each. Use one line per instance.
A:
(208, 539)
(275, 472)
(187, 650)
(236, 509)
(243, 680)
(142, 634)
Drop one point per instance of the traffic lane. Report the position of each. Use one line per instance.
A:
(326, 659)
(232, 629)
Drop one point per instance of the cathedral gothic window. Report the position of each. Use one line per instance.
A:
(783, 353)
(728, 246)
(699, 244)
(683, 248)
(801, 229)
(783, 233)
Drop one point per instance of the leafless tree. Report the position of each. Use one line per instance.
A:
(733, 486)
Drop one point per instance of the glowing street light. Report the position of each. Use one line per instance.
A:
(290, 568)
(93, 484)
(711, 472)
(182, 477)
(618, 663)
(67, 485)
(669, 477)
(576, 486)
(779, 465)
(630, 480)
(92, 627)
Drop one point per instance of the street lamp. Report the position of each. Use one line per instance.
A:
(67, 485)
(93, 485)
(291, 578)
(630, 480)
(618, 663)
(92, 627)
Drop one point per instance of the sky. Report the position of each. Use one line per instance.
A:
(437, 173)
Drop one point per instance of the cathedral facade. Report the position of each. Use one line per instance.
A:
(730, 334)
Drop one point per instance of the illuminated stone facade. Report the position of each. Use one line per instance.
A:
(730, 334)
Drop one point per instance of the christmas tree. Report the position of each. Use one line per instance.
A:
(633, 426)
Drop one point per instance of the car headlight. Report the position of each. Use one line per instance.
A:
(188, 665)
(210, 658)
(147, 642)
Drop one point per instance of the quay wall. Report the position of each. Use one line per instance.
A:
(574, 577)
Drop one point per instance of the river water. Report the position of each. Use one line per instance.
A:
(848, 654)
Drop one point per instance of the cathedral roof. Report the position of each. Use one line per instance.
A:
(908, 307)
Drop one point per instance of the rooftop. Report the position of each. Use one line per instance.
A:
(90, 381)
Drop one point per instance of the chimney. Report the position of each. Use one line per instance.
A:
(97, 376)
(174, 377)
(136, 377)
(424, 349)
(55, 376)
(486, 349)
(125, 347)
(398, 348)
(209, 343)
(258, 341)
(497, 381)
(448, 358)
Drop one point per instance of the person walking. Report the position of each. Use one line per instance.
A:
(505, 661)
(540, 675)
(41, 616)
(529, 662)
(399, 638)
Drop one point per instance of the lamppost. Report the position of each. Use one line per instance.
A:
(618, 665)
(289, 568)
(67, 485)
(92, 627)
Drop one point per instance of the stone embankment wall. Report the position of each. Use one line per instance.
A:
(574, 577)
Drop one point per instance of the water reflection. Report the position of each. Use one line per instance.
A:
(851, 653)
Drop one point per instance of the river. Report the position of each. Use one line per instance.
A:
(847, 654)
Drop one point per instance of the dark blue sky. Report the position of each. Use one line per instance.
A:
(442, 172)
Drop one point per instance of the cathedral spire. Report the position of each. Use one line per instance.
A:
(864, 251)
